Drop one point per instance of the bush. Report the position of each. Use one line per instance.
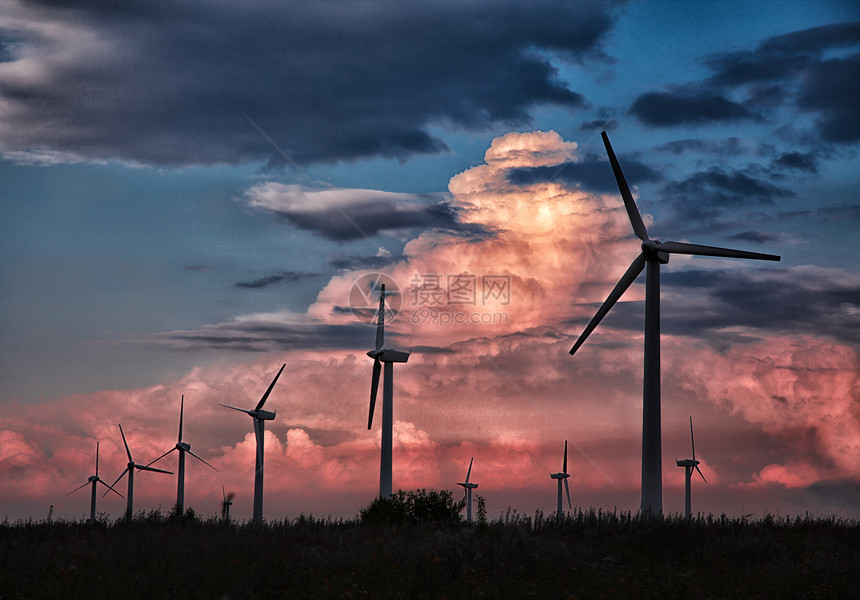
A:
(413, 507)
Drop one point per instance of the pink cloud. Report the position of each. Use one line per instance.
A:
(774, 409)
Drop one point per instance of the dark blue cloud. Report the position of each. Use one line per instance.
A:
(591, 174)
(704, 107)
(168, 83)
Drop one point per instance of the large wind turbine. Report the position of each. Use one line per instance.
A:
(129, 507)
(468, 487)
(654, 253)
(183, 447)
(387, 357)
(260, 417)
(689, 464)
(226, 503)
(93, 480)
(562, 477)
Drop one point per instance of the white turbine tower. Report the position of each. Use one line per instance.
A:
(130, 467)
(260, 417)
(654, 253)
(563, 476)
(689, 464)
(93, 480)
(387, 357)
(468, 487)
(183, 447)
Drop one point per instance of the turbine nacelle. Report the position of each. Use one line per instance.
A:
(651, 250)
(687, 462)
(559, 475)
(184, 446)
(468, 485)
(263, 415)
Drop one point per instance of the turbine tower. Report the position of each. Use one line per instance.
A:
(468, 487)
(654, 253)
(689, 464)
(562, 477)
(130, 467)
(93, 480)
(260, 417)
(387, 357)
(183, 447)
(226, 503)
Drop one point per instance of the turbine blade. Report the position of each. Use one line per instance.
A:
(77, 488)
(269, 391)
(121, 475)
(97, 459)
(702, 474)
(153, 469)
(692, 443)
(469, 472)
(374, 388)
(567, 489)
(200, 459)
(127, 451)
(629, 204)
(181, 413)
(621, 287)
(380, 323)
(564, 470)
(223, 493)
(247, 412)
(110, 489)
(162, 456)
(696, 249)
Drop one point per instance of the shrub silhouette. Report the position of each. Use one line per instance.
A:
(412, 507)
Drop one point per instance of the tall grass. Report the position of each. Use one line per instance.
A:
(587, 554)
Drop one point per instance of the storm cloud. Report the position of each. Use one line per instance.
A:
(175, 83)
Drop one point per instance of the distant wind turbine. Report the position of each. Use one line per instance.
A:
(689, 464)
(387, 357)
(654, 253)
(183, 447)
(93, 480)
(563, 476)
(260, 417)
(129, 508)
(468, 487)
(226, 503)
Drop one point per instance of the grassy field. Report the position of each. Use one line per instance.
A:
(591, 554)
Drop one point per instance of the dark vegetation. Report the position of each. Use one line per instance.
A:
(416, 545)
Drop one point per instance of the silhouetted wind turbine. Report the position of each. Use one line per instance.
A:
(654, 253)
(689, 464)
(93, 480)
(387, 357)
(129, 508)
(468, 487)
(260, 417)
(563, 477)
(226, 503)
(183, 447)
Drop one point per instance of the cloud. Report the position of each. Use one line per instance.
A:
(665, 109)
(589, 173)
(348, 214)
(168, 84)
(288, 276)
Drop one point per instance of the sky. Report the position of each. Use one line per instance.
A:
(194, 194)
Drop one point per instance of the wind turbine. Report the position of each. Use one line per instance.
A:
(93, 480)
(260, 417)
(387, 357)
(183, 447)
(226, 503)
(468, 487)
(689, 464)
(129, 507)
(562, 477)
(654, 253)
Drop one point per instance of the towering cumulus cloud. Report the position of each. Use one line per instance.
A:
(491, 298)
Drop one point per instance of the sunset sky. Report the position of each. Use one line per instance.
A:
(193, 194)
